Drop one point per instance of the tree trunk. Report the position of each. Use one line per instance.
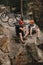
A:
(21, 8)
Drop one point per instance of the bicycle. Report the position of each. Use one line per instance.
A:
(4, 16)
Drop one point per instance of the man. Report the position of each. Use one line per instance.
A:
(30, 27)
(34, 27)
(20, 30)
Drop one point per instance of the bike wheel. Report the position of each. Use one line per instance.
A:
(11, 22)
(4, 18)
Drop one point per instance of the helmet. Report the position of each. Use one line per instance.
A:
(21, 22)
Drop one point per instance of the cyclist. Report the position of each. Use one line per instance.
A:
(20, 30)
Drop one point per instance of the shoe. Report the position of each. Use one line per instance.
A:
(24, 38)
(23, 42)
(30, 36)
(38, 38)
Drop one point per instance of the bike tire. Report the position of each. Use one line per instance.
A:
(5, 18)
(11, 22)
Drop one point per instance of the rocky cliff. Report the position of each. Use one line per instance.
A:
(13, 52)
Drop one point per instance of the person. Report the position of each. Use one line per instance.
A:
(20, 30)
(30, 27)
(26, 31)
(34, 27)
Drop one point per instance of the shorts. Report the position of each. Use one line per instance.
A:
(19, 31)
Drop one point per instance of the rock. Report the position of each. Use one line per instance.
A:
(40, 54)
(4, 40)
(22, 57)
(5, 44)
(4, 59)
(12, 51)
(35, 52)
(1, 29)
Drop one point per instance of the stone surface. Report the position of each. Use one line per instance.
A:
(4, 59)
(14, 51)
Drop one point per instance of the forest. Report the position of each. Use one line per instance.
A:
(25, 7)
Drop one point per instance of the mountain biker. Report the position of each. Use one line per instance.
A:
(34, 27)
(20, 30)
(30, 27)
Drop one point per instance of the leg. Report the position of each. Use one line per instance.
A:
(37, 33)
(21, 37)
(31, 31)
(26, 31)
(26, 34)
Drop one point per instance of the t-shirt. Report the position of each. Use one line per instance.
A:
(18, 30)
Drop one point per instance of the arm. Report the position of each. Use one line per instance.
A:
(21, 28)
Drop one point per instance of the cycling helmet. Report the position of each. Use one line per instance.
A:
(21, 22)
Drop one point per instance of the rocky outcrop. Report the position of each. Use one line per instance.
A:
(12, 51)
(4, 59)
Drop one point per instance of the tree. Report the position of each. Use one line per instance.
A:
(21, 8)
